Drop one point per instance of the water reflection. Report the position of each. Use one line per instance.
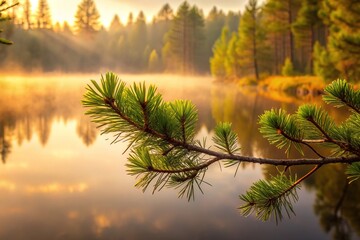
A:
(337, 203)
(29, 106)
(5, 145)
(86, 130)
(63, 181)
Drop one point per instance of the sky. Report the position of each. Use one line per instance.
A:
(64, 10)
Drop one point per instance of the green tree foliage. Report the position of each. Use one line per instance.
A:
(232, 21)
(280, 16)
(214, 24)
(324, 66)
(43, 15)
(288, 68)
(251, 43)
(344, 36)
(159, 27)
(218, 61)
(231, 64)
(87, 18)
(165, 152)
(138, 42)
(184, 41)
(308, 28)
(154, 63)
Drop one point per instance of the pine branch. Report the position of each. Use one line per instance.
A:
(268, 199)
(340, 93)
(8, 7)
(353, 172)
(165, 153)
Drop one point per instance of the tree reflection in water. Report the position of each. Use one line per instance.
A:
(337, 203)
(32, 105)
(29, 111)
(86, 130)
(5, 145)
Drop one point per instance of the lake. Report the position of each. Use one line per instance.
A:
(61, 179)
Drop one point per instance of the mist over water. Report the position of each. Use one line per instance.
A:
(60, 179)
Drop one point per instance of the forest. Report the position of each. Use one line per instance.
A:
(289, 38)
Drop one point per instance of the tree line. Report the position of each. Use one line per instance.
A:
(174, 41)
(291, 37)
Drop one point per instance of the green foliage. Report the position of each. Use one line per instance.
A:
(251, 43)
(353, 172)
(139, 115)
(165, 153)
(281, 129)
(154, 63)
(324, 66)
(307, 26)
(269, 198)
(288, 68)
(314, 121)
(225, 138)
(343, 43)
(217, 62)
(184, 41)
(340, 94)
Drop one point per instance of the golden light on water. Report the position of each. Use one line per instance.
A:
(58, 188)
(61, 173)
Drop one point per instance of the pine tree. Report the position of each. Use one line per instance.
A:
(324, 65)
(279, 16)
(159, 27)
(184, 41)
(308, 28)
(66, 28)
(343, 17)
(217, 61)
(288, 68)
(43, 16)
(138, 42)
(165, 13)
(115, 24)
(232, 21)
(87, 18)
(27, 14)
(214, 24)
(232, 66)
(251, 39)
(154, 64)
(165, 152)
(130, 20)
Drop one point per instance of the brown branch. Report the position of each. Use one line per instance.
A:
(295, 183)
(303, 178)
(4, 9)
(218, 156)
(300, 141)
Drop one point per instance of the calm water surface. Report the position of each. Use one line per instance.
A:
(61, 180)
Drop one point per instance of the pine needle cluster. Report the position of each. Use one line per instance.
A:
(165, 153)
(3, 8)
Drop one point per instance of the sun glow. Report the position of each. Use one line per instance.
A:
(65, 10)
